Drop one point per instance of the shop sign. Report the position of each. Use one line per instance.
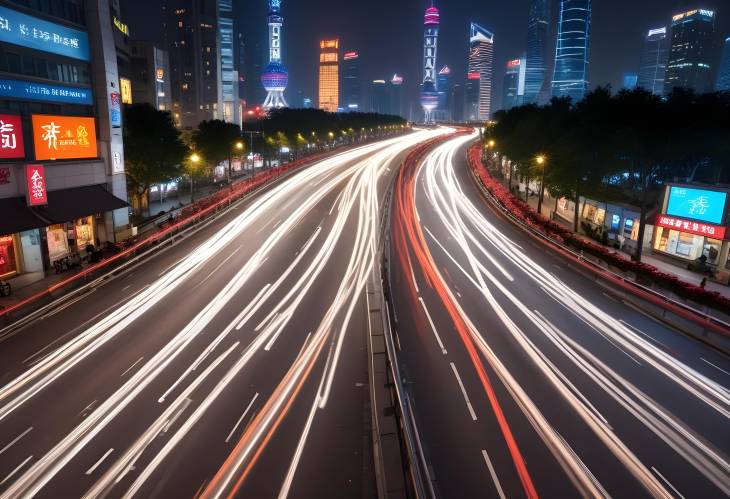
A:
(29, 90)
(4, 176)
(35, 180)
(698, 204)
(63, 137)
(115, 109)
(126, 87)
(28, 31)
(11, 136)
(699, 228)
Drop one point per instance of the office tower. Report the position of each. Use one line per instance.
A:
(443, 84)
(228, 75)
(395, 95)
(429, 95)
(275, 77)
(457, 103)
(630, 81)
(570, 76)
(191, 36)
(536, 58)
(351, 92)
(723, 77)
(690, 52)
(479, 76)
(653, 65)
(379, 97)
(513, 90)
(329, 75)
(149, 75)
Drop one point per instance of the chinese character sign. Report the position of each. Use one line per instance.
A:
(35, 180)
(699, 228)
(64, 137)
(698, 204)
(11, 137)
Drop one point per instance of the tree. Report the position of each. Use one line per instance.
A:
(215, 141)
(153, 151)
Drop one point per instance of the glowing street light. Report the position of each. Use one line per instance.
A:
(542, 161)
(194, 158)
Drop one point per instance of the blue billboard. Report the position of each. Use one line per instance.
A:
(697, 204)
(29, 90)
(28, 31)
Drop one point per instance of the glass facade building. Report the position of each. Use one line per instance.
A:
(691, 51)
(228, 88)
(723, 77)
(536, 58)
(513, 89)
(479, 77)
(570, 76)
(653, 65)
(329, 75)
(351, 90)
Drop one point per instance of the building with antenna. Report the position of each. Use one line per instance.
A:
(429, 94)
(479, 76)
(275, 77)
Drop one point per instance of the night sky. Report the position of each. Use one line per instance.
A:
(388, 34)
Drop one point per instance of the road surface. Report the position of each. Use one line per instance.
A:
(234, 362)
(527, 379)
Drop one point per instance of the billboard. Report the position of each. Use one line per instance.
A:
(28, 31)
(63, 137)
(35, 180)
(11, 137)
(697, 204)
(30, 90)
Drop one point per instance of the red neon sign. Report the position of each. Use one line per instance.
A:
(474, 76)
(11, 137)
(699, 228)
(35, 180)
(514, 63)
(350, 55)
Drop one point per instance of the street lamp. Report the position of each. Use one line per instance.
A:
(194, 159)
(541, 160)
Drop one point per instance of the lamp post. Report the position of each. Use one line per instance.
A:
(250, 151)
(194, 159)
(542, 161)
(238, 146)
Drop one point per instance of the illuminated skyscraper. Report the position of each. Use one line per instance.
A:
(479, 77)
(329, 75)
(653, 66)
(723, 78)
(351, 92)
(570, 78)
(691, 51)
(228, 97)
(275, 76)
(536, 59)
(429, 95)
(443, 84)
(513, 90)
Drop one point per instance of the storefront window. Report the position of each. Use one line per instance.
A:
(57, 242)
(8, 263)
(712, 250)
(679, 244)
(84, 232)
(594, 214)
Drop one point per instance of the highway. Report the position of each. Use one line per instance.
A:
(527, 379)
(233, 363)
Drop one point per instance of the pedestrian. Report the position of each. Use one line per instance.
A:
(703, 282)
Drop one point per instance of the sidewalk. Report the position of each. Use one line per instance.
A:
(660, 263)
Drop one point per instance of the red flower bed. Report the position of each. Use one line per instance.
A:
(561, 234)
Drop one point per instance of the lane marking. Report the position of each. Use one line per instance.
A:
(242, 416)
(96, 465)
(126, 287)
(433, 328)
(16, 470)
(217, 268)
(636, 329)
(15, 440)
(713, 365)
(667, 482)
(463, 392)
(497, 485)
(132, 366)
(87, 408)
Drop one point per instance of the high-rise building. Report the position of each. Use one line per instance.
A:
(513, 89)
(653, 65)
(691, 51)
(723, 77)
(443, 84)
(570, 76)
(351, 91)
(630, 81)
(429, 95)
(149, 75)
(275, 77)
(379, 97)
(395, 95)
(191, 36)
(479, 76)
(329, 75)
(228, 96)
(536, 58)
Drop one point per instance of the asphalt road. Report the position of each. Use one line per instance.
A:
(232, 363)
(527, 379)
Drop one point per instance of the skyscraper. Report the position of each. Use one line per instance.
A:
(351, 91)
(536, 59)
(723, 77)
(513, 90)
(570, 78)
(228, 97)
(379, 97)
(191, 34)
(329, 75)
(653, 66)
(395, 95)
(479, 77)
(443, 84)
(429, 96)
(275, 77)
(690, 54)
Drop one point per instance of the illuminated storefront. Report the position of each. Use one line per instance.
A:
(693, 224)
(8, 258)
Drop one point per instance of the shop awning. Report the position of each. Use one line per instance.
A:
(63, 206)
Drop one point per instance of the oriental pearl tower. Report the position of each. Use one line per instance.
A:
(275, 77)
(429, 94)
